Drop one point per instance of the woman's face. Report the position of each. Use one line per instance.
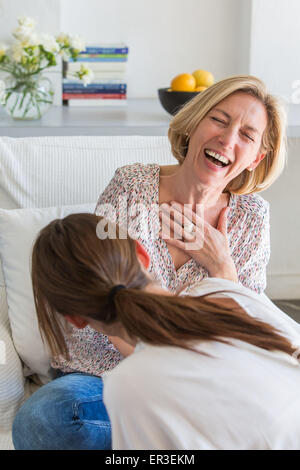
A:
(233, 129)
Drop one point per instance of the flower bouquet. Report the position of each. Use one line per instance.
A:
(26, 93)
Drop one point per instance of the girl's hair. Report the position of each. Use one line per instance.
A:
(73, 272)
(273, 140)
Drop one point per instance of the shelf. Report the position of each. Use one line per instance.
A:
(137, 117)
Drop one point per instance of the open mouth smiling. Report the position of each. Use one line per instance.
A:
(216, 158)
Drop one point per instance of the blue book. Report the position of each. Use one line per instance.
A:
(107, 49)
(93, 86)
(93, 91)
(99, 59)
(99, 86)
(69, 87)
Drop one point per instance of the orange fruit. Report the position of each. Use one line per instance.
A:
(183, 82)
(203, 78)
(201, 88)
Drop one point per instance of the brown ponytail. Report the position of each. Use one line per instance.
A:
(73, 272)
(176, 321)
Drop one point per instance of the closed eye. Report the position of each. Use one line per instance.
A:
(218, 120)
(223, 122)
(248, 137)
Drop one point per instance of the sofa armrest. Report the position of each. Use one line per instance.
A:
(12, 380)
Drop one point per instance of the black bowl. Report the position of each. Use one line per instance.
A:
(172, 101)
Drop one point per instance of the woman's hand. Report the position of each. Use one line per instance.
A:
(196, 237)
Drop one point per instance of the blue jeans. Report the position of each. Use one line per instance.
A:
(66, 414)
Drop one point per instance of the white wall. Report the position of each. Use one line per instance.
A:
(165, 37)
(275, 58)
(275, 44)
(168, 37)
(284, 198)
(46, 12)
(242, 47)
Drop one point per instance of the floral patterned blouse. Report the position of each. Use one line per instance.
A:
(248, 234)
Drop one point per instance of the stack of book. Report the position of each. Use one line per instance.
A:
(108, 63)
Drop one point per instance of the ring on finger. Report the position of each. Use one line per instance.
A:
(189, 228)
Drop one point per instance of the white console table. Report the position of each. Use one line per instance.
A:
(137, 117)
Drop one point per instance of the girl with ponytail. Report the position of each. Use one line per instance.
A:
(206, 373)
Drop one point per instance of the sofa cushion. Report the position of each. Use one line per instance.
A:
(18, 230)
(52, 171)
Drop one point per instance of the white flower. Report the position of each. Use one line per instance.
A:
(65, 55)
(27, 22)
(64, 39)
(31, 40)
(22, 33)
(2, 92)
(85, 74)
(86, 79)
(17, 52)
(34, 40)
(33, 51)
(3, 49)
(77, 43)
(49, 43)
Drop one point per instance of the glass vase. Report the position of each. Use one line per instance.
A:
(28, 97)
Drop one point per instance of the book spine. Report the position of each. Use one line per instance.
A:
(104, 76)
(99, 59)
(105, 50)
(92, 91)
(109, 85)
(101, 83)
(103, 56)
(99, 66)
(100, 96)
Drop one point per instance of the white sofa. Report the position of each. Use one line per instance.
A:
(45, 173)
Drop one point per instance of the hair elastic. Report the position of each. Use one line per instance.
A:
(113, 291)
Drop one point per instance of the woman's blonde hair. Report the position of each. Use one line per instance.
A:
(273, 139)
